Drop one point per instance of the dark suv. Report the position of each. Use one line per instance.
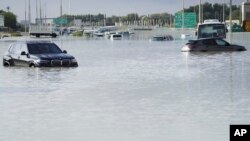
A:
(37, 54)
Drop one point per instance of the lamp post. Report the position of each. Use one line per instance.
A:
(183, 15)
(230, 18)
(230, 22)
(61, 8)
(69, 7)
(199, 11)
(224, 11)
(25, 25)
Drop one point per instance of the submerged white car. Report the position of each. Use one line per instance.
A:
(211, 44)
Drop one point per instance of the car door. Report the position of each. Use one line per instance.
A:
(8, 55)
(14, 54)
(23, 58)
(209, 45)
(223, 45)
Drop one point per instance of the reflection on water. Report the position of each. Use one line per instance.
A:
(126, 90)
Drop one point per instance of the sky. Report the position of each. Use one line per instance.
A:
(108, 7)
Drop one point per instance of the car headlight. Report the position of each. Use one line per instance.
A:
(73, 60)
(185, 48)
(39, 61)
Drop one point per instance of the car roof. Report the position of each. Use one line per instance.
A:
(202, 39)
(32, 42)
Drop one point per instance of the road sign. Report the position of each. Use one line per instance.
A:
(60, 21)
(189, 20)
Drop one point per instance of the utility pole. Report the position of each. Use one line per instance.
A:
(69, 7)
(199, 11)
(230, 18)
(41, 13)
(29, 14)
(183, 15)
(25, 24)
(230, 22)
(61, 9)
(36, 12)
(224, 11)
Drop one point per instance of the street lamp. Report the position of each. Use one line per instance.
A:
(183, 14)
(199, 11)
(224, 11)
(230, 17)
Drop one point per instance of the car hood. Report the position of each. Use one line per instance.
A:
(238, 46)
(59, 56)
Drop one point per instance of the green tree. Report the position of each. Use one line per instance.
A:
(10, 20)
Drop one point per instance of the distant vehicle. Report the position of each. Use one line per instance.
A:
(211, 44)
(186, 36)
(163, 38)
(125, 34)
(42, 30)
(37, 54)
(98, 34)
(211, 29)
(115, 37)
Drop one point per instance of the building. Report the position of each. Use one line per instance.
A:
(245, 11)
(1, 20)
(77, 22)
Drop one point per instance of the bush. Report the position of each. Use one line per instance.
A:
(78, 33)
(15, 34)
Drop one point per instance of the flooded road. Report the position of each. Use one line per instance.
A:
(128, 91)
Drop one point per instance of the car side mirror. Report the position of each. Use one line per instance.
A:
(64, 51)
(196, 33)
(23, 53)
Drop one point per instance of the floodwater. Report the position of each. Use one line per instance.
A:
(129, 90)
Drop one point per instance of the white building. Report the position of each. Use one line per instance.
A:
(77, 22)
(1, 20)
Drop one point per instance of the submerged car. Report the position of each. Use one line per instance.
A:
(211, 44)
(163, 38)
(37, 54)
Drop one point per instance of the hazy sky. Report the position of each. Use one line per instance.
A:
(109, 7)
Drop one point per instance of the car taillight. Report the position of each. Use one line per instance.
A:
(192, 46)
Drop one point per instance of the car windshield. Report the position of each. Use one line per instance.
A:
(212, 30)
(192, 42)
(43, 48)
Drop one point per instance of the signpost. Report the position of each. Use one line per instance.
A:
(60, 21)
(189, 20)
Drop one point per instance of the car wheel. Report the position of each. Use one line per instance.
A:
(32, 65)
(53, 35)
(6, 63)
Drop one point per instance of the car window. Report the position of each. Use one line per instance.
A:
(43, 48)
(16, 49)
(10, 48)
(221, 42)
(208, 42)
(24, 48)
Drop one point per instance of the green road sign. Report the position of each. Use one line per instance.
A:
(189, 20)
(60, 21)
